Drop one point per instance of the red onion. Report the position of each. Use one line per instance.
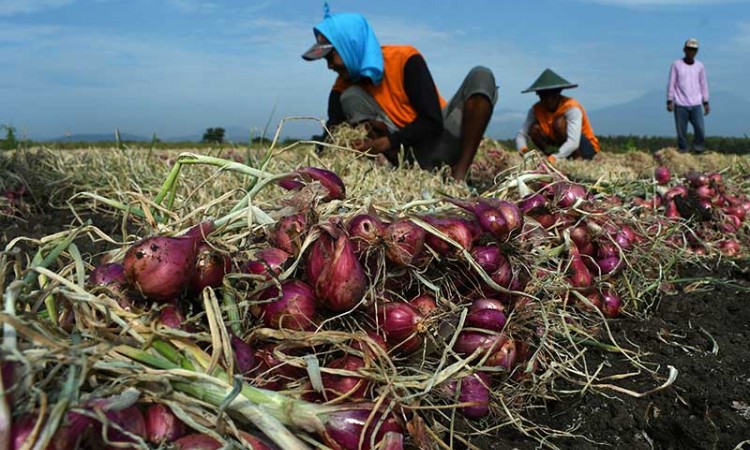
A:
(400, 325)
(197, 442)
(580, 276)
(21, 430)
(469, 341)
(671, 211)
(730, 224)
(268, 262)
(210, 268)
(532, 203)
(294, 309)
(512, 215)
(109, 274)
(273, 373)
(491, 219)
(424, 303)
(353, 387)
(505, 356)
(503, 276)
(335, 272)
(162, 425)
(737, 211)
(608, 264)
(580, 235)
(353, 423)
(475, 388)
(130, 419)
(674, 192)
(567, 193)
(160, 267)
(611, 304)
(486, 303)
(696, 179)
(715, 178)
(329, 180)
(729, 247)
(365, 231)
(244, 355)
(486, 319)
(489, 257)
(404, 242)
(595, 298)
(705, 192)
(256, 442)
(662, 175)
(171, 317)
(289, 233)
(454, 228)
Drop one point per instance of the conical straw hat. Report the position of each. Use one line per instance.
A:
(549, 80)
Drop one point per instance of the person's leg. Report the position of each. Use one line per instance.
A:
(680, 121)
(359, 106)
(465, 120)
(696, 119)
(585, 150)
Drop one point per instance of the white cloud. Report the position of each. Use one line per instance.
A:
(192, 6)
(13, 7)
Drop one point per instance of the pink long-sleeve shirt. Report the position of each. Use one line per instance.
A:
(688, 85)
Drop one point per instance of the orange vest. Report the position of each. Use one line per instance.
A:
(390, 93)
(546, 118)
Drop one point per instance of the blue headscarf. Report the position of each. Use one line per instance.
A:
(355, 41)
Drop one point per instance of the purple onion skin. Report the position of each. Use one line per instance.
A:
(108, 274)
(244, 355)
(256, 442)
(160, 267)
(567, 193)
(469, 341)
(197, 442)
(268, 262)
(455, 228)
(355, 388)
(365, 231)
(294, 309)
(170, 316)
(609, 264)
(487, 319)
(345, 428)
(210, 268)
(289, 233)
(162, 425)
(475, 388)
(611, 304)
(130, 419)
(489, 257)
(334, 270)
(21, 430)
(404, 241)
(398, 322)
(200, 231)
(329, 180)
(532, 203)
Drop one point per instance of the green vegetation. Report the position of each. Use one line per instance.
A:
(651, 144)
(10, 142)
(214, 135)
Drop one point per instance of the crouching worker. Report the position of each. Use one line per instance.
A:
(557, 125)
(390, 89)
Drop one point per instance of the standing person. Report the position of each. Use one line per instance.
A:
(391, 89)
(687, 96)
(557, 125)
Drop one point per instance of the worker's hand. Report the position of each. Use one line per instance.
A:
(373, 146)
(706, 108)
(670, 106)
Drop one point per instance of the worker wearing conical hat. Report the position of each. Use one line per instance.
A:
(556, 124)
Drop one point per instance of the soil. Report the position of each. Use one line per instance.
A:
(701, 331)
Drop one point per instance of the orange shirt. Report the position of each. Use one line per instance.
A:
(390, 94)
(546, 118)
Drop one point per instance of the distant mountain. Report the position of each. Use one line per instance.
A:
(99, 137)
(647, 116)
(644, 116)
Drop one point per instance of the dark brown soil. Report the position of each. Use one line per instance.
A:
(707, 407)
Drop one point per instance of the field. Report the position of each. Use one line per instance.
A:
(667, 369)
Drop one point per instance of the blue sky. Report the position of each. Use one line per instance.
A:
(176, 67)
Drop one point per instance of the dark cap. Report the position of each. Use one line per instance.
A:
(317, 51)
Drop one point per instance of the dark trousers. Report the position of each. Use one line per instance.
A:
(694, 115)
